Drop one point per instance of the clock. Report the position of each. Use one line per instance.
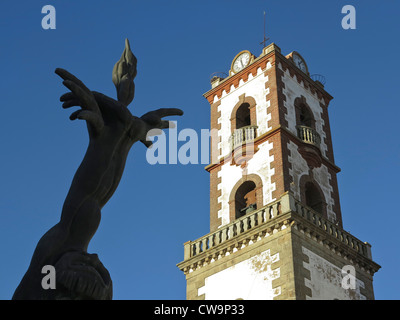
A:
(241, 61)
(299, 62)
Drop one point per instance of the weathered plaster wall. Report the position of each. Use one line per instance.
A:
(321, 175)
(293, 90)
(326, 280)
(249, 279)
(254, 87)
(257, 88)
(260, 165)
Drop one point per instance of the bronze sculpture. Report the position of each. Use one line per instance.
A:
(112, 132)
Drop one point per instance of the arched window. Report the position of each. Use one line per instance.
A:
(305, 123)
(314, 198)
(243, 116)
(306, 117)
(245, 199)
(244, 113)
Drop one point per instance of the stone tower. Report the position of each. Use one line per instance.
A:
(275, 220)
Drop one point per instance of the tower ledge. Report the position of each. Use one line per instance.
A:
(285, 213)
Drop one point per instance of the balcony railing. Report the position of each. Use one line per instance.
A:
(233, 229)
(263, 221)
(242, 136)
(309, 135)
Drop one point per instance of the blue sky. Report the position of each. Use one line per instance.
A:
(179, 44)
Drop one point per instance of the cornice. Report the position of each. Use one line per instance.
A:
(226, 84)
(272, 57)
(264, 137)
(290, 222)
(305, 78)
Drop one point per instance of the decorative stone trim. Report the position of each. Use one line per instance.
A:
(233, 82)
(252, 108)
(279, 215)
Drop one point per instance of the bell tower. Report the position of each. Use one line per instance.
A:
(276, 228)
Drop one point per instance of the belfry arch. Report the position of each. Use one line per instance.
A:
(244, 113)
(312, 195)
(246, 196)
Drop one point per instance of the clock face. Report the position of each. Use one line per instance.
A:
(241, 62)
(299, 62)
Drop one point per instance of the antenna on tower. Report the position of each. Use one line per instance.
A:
(265, 37)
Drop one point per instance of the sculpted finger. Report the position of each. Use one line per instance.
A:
(74, 115)
(165, 112)
(167, 124)
(71, 103)
(65, 75)
(91, 117)
(67, 96)
(87, 99)
(70, 100)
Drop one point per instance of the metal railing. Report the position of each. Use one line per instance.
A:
(318, 78)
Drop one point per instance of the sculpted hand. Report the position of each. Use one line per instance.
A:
(100, 110)
(154, 120)
(96, 108)
(81, 96)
